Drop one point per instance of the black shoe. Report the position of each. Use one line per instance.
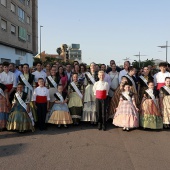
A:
(104, 127)
(99, 126)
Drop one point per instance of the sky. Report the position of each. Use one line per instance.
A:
(106, 29)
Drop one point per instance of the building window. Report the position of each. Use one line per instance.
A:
(22, 33)
(3, 25)
(28, 2)
(13, 29)
(3, 2)
(28, 19)
(22, 1)
(5, 60)
(21, 14)
(20, 52)
(28, 38)
(17, 62)
(12, 7)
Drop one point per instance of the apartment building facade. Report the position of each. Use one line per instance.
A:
(18, 31)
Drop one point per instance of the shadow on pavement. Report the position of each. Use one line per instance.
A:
(8, 150)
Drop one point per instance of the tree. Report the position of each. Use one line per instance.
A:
(51, 60)
(143, 63)
(59, 50)
(36, 60)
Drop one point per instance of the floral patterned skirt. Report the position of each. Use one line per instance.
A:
(150, 116)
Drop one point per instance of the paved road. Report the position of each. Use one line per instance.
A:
(85, 148)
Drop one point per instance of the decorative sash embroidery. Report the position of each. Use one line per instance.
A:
(26, 82)
(52, 81)
(60, 96)
(90, 77)
(76, 89)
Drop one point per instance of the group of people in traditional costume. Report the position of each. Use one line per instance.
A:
(64, 95)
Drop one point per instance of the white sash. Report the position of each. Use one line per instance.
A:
(145, 81)
(23, 104)
(52, 81)
(151, 95)
(131, 80)
(26, 82)
(167, 89)
(76, 89)
(90, 77)
(127, 96)
(60, 96)
(1, 92)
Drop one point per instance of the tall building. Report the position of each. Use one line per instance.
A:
(18, 31)
(74, 52)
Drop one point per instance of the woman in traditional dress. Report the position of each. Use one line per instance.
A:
(60, 113)
(81, 76)
(142, 82)
(133, 82)
(75, 93)
(116, 97)
(19, 118)
(150, 115)
(164, 95)
(4, 106)
(51, 84)
(126, 115)
(89, 109)
(27, 79)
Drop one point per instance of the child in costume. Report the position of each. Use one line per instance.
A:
(126, 115)
(75, 93)
(41, 100)
(150, 115)
(165, 102)
(101, 89)
(19, 116)
(60, 112)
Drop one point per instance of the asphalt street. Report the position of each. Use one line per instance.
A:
(85, 148)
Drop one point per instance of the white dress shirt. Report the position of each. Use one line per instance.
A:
(101, 85)
(121, 74)
(160, 77)
(8, 78)
(41, 91)
(39, 74)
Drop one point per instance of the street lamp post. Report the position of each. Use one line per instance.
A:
(139, 55)
(40, 39)
(165, 46)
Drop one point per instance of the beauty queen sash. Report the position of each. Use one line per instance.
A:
(144, 80)
(76, 89)
(23, 104)
(90, 77)
(131, 80)
(167, 89)
(1, 92)
(52, 81)
(26, 82)
(60, 96)
(127, 96)
(151, 95)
